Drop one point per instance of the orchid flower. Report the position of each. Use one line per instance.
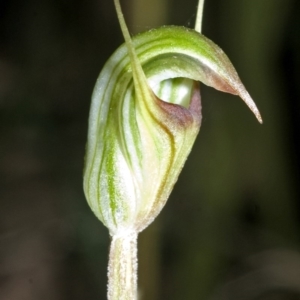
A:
(145, 116)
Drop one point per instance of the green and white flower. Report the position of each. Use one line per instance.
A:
(144, 118)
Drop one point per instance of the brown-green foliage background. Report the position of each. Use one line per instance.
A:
(231, 227)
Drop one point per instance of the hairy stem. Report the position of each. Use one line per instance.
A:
(122, 267)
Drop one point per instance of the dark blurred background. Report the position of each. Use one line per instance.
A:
(231, 228)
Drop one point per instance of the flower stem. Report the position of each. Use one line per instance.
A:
(122, 267)
(198, 24)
